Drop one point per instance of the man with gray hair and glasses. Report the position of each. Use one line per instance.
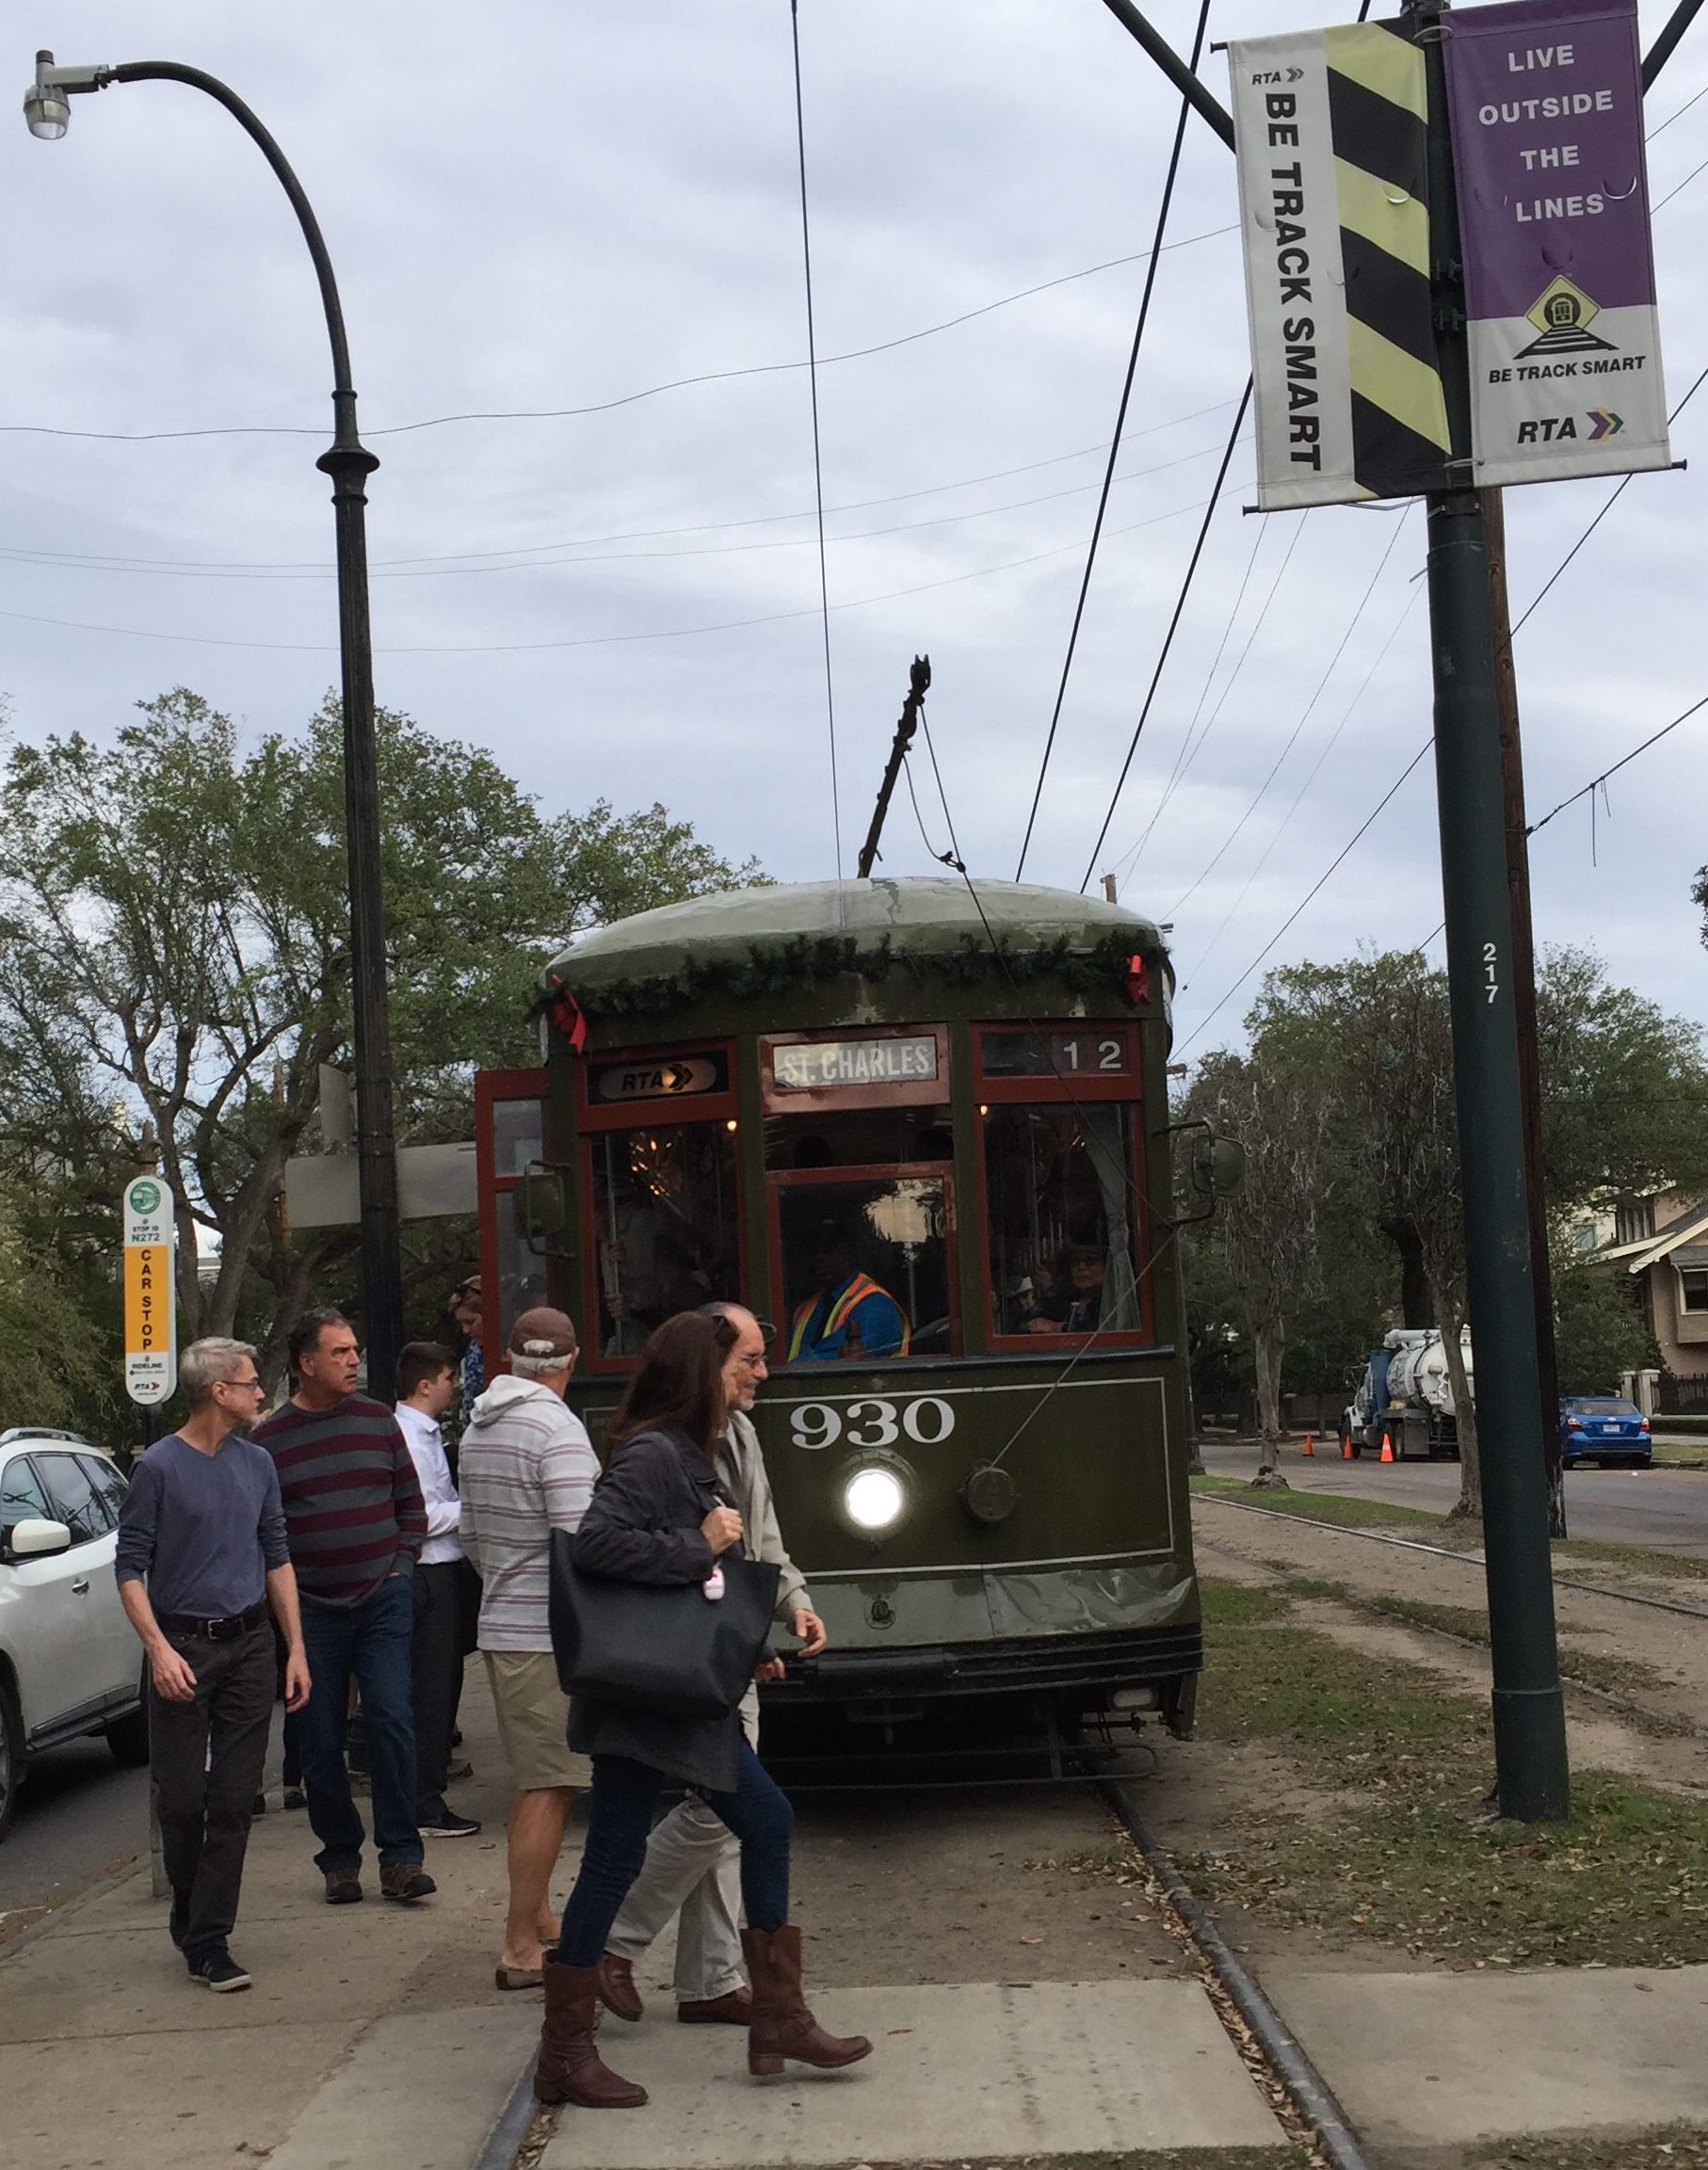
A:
(201, 1554)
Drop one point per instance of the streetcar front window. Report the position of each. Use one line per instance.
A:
(865, 1270)
(665, 1211)
(1062, 1218)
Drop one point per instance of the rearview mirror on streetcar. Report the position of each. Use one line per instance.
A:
(540, 1204)
(1219, 1165)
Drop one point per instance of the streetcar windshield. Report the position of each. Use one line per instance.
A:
(864, 1268)
(1061, 1218)
(665, 1226)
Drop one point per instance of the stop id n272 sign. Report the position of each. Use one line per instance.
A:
(151, 1311)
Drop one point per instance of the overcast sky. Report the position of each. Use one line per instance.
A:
(573, 204)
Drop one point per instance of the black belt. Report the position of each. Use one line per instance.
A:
(226, 1630)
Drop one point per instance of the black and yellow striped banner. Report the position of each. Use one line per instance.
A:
(1377, 117)
(1331, 130)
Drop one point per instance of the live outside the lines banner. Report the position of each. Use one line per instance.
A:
(1546, 103)
(1329, 128)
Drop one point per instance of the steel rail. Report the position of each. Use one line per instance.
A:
(1447, 1552)
(1312, 2098)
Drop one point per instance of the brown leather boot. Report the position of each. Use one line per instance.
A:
(617, 1990)
(781, 2025)
(570, 2068)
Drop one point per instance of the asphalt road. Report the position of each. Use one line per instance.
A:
(78, 1815)
(1665, 1509)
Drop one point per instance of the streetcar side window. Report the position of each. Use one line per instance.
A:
(665, 1204)
(865, 1272)
(1061, 1217)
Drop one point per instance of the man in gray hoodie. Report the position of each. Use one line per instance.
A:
(526, 1467)
(693, 1860)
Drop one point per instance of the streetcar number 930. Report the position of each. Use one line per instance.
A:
(870, 1424)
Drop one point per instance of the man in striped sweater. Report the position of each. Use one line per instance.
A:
(355, 1520)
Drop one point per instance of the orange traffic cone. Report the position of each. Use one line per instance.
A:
(1308, 1450)
(1387, 1448)
(1345, 1448)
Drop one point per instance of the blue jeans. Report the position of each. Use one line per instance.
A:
(619, 1820)
(370, 1642)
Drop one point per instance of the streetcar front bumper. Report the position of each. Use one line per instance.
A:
(1089, 1669)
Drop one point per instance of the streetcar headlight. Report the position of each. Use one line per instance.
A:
(874, 1500)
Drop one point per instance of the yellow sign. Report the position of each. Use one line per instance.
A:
(151, 1322)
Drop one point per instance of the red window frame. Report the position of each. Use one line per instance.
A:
(593, 1118)
(494, 1088)
(1068, 1090)
(869, 1171)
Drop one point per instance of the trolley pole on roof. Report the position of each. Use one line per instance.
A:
(919, 681)
(1532, 1780)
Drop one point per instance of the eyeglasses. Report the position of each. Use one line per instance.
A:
(243, 1385)
(752, 1363)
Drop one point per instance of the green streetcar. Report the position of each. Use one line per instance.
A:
(921, 1126)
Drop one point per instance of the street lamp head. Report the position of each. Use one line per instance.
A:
(47, 102)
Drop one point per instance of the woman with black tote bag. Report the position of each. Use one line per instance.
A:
(659, 1519)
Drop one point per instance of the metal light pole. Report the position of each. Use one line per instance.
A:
(349, 463)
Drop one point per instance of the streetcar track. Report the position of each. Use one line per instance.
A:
(1470, 1559)
(1301, 2098)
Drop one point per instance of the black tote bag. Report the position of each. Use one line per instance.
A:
(671, 1650)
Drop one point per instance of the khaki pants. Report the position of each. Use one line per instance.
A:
(693, 1868)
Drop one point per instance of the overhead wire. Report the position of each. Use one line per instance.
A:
(818, 479)
(593, 639)
(1167, 642)
(623, 399)
(1121, 416)
(1305, 714)
(632, 535)
(416, 570)
(1182, 769)
(1388, 796)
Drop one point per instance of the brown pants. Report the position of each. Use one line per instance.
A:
(206, 1758)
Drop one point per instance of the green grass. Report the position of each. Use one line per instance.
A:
(1404, 1862)
(1597, 1668)
(1572, 1553)
(1341, 1508)
(1234, 1604)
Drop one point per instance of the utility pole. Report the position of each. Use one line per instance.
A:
(1523, 988)
(1532, 1780)
(919, 681)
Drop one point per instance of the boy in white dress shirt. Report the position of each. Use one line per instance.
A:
(427, 1386)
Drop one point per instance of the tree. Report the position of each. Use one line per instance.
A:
(174, 948)
(1599, 1329)
(1269, 1226)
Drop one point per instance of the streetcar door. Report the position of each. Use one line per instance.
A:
(510, 1142)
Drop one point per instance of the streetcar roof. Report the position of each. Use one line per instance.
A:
(920, 914)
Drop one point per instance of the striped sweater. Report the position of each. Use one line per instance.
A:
(525, 1468)
(352, 1501)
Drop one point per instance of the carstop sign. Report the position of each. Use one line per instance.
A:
(151, 1311)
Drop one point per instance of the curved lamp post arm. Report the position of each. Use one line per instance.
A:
(174, 72)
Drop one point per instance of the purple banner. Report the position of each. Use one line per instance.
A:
(1546, 104)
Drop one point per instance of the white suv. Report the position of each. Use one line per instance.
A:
(69, 1662)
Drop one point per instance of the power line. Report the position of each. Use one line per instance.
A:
(1121, 416)
(818, 481)
(1320, 883)
(623, 399)
(1183, 767)
(64, 561)
(1422, 749)
(1162, 658)
(1596, 782)
(1322, 683)
(593, 639)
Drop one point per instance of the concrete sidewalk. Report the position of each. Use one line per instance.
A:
(374, 2035)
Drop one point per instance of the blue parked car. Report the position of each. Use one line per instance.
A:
(1605, 1428)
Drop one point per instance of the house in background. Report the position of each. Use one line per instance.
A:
(1662, 1243)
